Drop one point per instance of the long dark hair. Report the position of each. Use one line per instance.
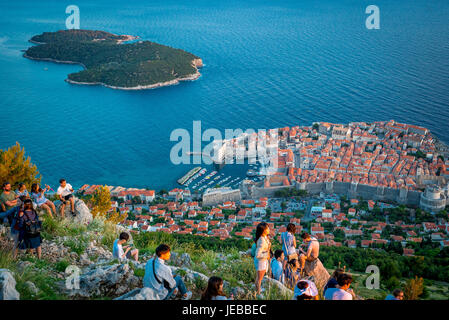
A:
(261, 227)
(213, 288)
(35, 188)
(337, 273)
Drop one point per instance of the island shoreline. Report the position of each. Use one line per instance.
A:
(197, 63)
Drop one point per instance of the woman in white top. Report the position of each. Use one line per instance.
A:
(262, 255)
(214, 290)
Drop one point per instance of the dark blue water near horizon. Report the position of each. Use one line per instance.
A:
(268, 64)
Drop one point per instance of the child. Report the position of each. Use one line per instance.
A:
(117, 251)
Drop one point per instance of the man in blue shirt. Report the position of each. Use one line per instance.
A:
(276, 265)
(398, 294)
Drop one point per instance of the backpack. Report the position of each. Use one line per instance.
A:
(166, 284)
(253, 250)
(32, 227)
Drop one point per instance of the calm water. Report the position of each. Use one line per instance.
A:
(268, 64)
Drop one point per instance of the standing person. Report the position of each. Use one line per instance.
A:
(117, 250)
(214, 290)
(159, 277)
(398, 294)
(342, 292)
(262, 254)
(29, 228)
(277, 269)
(65, 193)
(291, 273)
(38, 195)
(312, 252)
(288, 242)
(332, 283)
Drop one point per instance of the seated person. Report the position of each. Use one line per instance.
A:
(312, 252)
(9, 202)
(342, 292)
(332, 283)
(291, 274)
(214, 290)
(22, 192)
(117, 250)
(38, 196)
(305, 290)
(159, 277)
(398, 294)
(65, 193)
(277, 271)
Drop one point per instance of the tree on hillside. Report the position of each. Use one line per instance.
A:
(101, 206)
(413, 288)
(15, 167)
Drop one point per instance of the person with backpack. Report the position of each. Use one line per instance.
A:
(29, 228)
(214, 290)
(288, 242)
(159, 277)
(261, 253)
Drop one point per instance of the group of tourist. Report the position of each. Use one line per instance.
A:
(18, 210)
(286, 265)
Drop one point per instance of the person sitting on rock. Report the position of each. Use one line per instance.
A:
(117, 250)
(312, 252)
(342, 292)
(38, 196)
(214, 290)
(305, 290)
(332, 283)
(277, 271)
(398, 294)
(159, 277)
(291, 273)
(65, 193)
(22, 192)
(8, 202)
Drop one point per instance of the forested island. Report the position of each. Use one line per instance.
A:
(110, 62)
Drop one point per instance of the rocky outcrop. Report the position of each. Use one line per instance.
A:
(104, 280)
(318, 272)
(139, 294)
(83, 215)
(181, 260)
(8, 286)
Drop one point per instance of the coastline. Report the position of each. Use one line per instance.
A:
(197, 63)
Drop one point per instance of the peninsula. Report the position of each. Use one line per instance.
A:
(109, 61)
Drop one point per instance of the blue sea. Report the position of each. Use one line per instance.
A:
(268, 64)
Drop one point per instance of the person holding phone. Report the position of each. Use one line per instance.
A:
(122, 252)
